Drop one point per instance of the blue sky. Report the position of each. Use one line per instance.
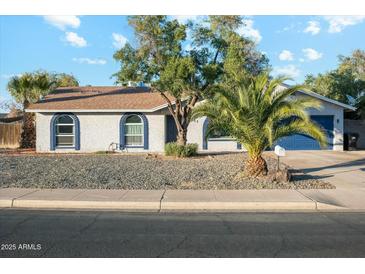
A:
(84, 45)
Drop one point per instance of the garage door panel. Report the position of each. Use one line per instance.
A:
(304, 142)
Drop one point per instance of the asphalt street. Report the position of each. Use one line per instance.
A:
(117, 234)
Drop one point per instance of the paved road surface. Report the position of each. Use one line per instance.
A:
(116, 234)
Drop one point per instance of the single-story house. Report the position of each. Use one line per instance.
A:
(133, 119)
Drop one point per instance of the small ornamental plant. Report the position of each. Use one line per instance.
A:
(177, 150)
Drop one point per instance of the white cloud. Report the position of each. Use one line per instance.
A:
(63, 21)
(249, 31)
(313, 27)
(312, 54)
(75, 40)
(289, 70)
(301, 60)
(287, 28)
(8, 76)
(286, 55)
(119, 40)
(338, 23)
(89, 61)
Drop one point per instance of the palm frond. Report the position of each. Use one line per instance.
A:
(258, 111)
(301, 127)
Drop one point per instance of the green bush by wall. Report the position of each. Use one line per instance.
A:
(174, 149)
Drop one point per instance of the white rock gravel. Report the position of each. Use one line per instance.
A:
(137, 172)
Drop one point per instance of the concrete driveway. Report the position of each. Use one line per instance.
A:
(344, 169)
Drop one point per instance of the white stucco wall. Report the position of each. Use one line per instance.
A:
(222, 145)
(99, 130)
(195, 135)
(43, 132)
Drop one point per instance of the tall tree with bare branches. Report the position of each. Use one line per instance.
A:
(181, 65)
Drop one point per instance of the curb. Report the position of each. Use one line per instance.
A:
(60, 204)
(6, 203)
(166, 200)
(168, 206)
(236, 206)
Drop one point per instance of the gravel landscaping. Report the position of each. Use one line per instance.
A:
(138, 172)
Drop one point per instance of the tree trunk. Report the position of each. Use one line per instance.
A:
(181, 113)
(181, 137)
(28, 136)
(256, 166)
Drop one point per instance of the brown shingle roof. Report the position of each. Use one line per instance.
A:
(100, 98)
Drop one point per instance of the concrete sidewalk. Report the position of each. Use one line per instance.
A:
(185, 200)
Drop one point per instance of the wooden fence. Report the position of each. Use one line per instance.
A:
(10, 135)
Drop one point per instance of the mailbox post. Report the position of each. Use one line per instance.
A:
(280, 152)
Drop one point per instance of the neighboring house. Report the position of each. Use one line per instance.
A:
(89, 119)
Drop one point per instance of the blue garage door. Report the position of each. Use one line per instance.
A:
(304, 142)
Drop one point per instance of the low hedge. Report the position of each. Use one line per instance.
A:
(174, 149)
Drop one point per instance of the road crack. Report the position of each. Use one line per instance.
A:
(162, 197)
(179, 244)
(78, 233)
(281, 247)
(16, 227)
(225, 223)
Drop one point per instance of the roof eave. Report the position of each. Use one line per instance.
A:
(326, 99)
(97, 110)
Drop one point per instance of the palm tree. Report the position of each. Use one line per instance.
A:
(25, 89)
(258, 112)
(22, 89)
(29, 87)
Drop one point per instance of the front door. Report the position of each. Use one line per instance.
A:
(171, 130)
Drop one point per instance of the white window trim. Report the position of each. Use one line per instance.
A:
(134, 124)
(67, 134)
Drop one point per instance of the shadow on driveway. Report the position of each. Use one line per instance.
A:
(354, 163)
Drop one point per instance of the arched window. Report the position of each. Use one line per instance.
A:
(134, 131)
(65, 132)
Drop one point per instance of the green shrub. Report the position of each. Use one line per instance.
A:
(174, 149)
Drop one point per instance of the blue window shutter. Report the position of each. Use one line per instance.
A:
(77, 132)
(239, 146)
(145, 131)
(205, 139)
(122, 132)
(53, 133)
